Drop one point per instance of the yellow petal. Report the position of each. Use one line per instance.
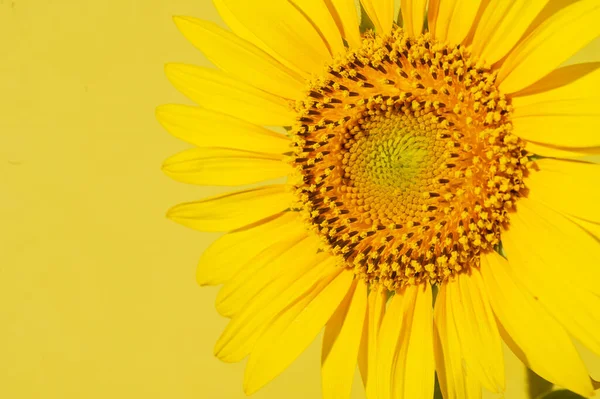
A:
(533, 335)
(205, 128)
(231, 211)
(413, 16)
(560, 152)
(292, 332)
(501, 26)
(414, 366)
(381, 12)
(341, 342)
(451, 20)
(346, 18)
(568, 186)
(559, 78)
(280, 29)
(246, 327)
(457, 380)
(321, 19)
(567, 116)
(376, 310)
(558, 242)
(474, 323)
(263, 269)
(592, 228)
(224, 257)
(571, 305)
(551, 43)
(405, 355)
(219, 92)
(224, 166)
(241, 59)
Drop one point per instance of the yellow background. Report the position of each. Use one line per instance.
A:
(97, 289)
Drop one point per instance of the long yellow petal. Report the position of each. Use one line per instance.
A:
(224, 257)
(557, 242)
(559, 78)
(405, 355)
(567, 116)
(241, 59)
(291, 333)
(551, 43)
(224, 166)
(341, 342)
(413, 15)
(381, 13)
(231, 211)
(280, 29)
(532, 334)
(377, 302)
(560, 152)
(414, 367)
(457, 381)
(568, 186)
(322, 20)
(346, 18)
(205, 128)
(219, 92)
(263, 269)
(480, 342)
(451, 20)
(246, 327)
(501, 26)
(574, 307)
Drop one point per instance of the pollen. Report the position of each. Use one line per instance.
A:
(406, 164)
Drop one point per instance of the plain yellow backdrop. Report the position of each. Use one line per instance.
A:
(98, 297)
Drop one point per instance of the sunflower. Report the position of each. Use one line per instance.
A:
(431, 202)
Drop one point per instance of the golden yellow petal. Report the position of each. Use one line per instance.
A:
(224, 257)
(570, 304)
(246, 327)
(224, 166)
(405, 353)
(532, 334)
(219, 92)
(561, 152)
(341, 341)
(558, 242)
(450, 21)
(377, 303)
(344, 13)
(241, 59)
(551, 43)
(280, 29)
(264, 268)
(568, 186)
(480, 342)
(457, 380)
(413, 15)
(567, 116)
(381, 13)
(293, 331)
(205, 128)
(501, 26)
(231, 211)
(322, 20)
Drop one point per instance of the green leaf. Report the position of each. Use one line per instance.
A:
(562, 394)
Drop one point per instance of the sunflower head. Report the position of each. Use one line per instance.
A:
(407, 164)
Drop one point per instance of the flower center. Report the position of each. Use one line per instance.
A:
(407, 167)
